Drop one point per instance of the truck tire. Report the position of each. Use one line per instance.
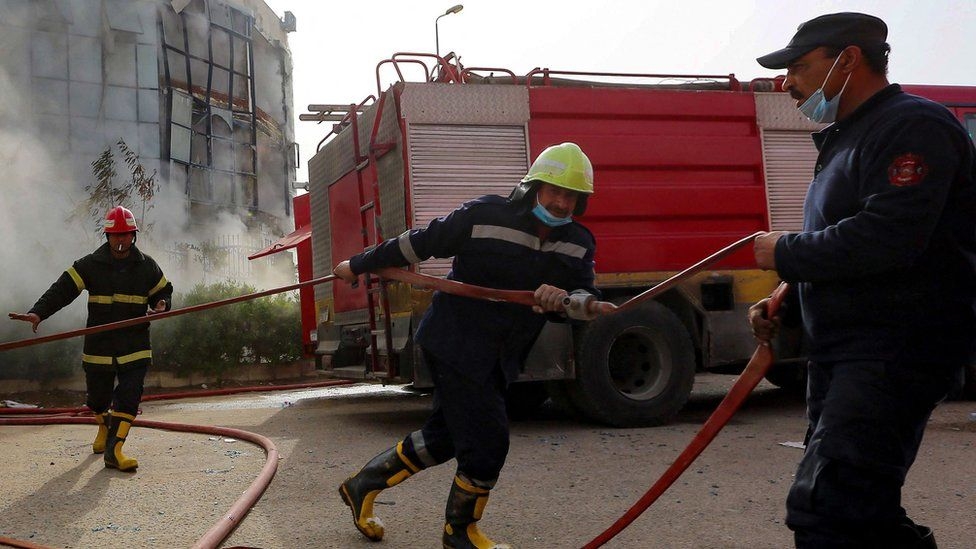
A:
(636, 368)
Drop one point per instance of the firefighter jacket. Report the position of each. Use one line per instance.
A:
(117, 290)
(886, 262)
(494, 244)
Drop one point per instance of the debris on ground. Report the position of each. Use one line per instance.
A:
(15, 404)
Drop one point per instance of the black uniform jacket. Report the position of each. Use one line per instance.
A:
(886, 264)
(494, 244)
(117, 290)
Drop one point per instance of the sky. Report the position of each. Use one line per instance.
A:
(336, 47)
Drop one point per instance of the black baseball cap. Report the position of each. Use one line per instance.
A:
(835, 29)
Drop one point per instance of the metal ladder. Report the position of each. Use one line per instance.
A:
(376, 292)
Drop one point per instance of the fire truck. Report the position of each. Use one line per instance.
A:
(684, 165)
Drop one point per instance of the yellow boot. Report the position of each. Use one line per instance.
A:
(358, 492)
(98, 445)
(119, 429)
(465, 505)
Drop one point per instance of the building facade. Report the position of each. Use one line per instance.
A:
(200, 90)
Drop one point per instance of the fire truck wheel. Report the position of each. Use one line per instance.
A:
(524, 398)
(636, 368)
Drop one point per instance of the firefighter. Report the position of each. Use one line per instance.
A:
(475, 348)
(122, 283)
(886, 270)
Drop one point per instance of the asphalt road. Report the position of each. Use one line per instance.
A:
(563, 484)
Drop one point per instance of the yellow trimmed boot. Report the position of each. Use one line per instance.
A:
(358, 492)
(118, 430)
(465, 505)
(98, 445)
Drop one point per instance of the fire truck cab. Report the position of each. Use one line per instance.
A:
(684, 165)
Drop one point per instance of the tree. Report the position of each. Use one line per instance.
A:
(105, 193)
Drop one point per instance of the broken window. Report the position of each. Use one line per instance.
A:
(208, 67)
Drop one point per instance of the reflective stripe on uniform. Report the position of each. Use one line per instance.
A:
(565, 248)
(132, 357)
(159, 286)
(506, 234)
(124, 359)
(529, 241)
(406, 248)
(95, 359)
(118, 298)
(420, 448)
(76, 277)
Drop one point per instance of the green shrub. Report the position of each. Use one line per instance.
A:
(52, 360)
(258, 331)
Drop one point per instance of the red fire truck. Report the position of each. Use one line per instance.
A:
(684, 165)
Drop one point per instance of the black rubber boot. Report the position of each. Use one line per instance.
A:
(98, 445)
(913, 536)
(926, 538)
(465, 505)
(117, 431)
(358, 492)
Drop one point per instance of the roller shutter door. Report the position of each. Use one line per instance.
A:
(451, 164)
(789, 158)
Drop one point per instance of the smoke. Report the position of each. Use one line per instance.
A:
(37, 192)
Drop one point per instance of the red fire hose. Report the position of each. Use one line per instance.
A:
(219, 531)
(756, 369)
(523, 297)
(674, 280)
(520, 297)
(160, 316)
(222, 529)
(759, 364)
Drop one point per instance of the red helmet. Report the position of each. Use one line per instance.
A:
(120, 220)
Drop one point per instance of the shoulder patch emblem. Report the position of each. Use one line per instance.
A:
(907, 169)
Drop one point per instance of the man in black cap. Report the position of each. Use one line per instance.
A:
(886, 272)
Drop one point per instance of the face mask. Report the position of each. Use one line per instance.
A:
(544, 216)
(817, 108)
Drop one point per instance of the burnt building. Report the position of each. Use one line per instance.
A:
(201, 90)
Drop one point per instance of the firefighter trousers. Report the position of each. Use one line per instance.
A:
(468, 422)
(103, 392)
(867, 419)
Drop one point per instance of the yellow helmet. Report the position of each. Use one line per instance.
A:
(564, 165)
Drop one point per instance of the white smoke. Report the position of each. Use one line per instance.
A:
(37, 195)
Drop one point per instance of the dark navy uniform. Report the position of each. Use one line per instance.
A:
(118, 289)
(475, 347)
(886, 270)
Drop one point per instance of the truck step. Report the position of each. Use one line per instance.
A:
(357, 372)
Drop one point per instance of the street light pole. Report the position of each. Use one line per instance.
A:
(437, 38)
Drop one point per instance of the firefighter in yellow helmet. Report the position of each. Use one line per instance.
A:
(122, 283)
(475, 348)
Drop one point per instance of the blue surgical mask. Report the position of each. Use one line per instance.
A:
(819, 109)
(544, 216)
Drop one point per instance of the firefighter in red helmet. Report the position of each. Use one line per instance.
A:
(122, 283)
